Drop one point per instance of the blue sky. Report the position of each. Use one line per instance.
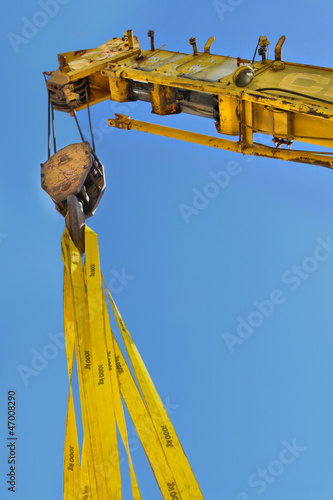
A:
(254, 417)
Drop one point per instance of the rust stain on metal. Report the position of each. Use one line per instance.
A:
(64, 158)
(65, 172)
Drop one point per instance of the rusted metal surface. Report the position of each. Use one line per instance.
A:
(208, 44)
(86, 62)
(86, 65)
(193, 43)
(164, 99)
(75, 222)
(151, 34)
(74, 170)
(120, 88)
(263, 42)
(65, 172)
(278, 48)
(67, 96)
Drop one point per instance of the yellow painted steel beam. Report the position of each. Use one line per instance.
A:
(285, 103)
(285, 100)
(126, 123)
(96, 66)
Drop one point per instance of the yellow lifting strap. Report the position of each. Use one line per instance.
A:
(104, 377)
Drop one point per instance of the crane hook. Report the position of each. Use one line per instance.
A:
(75, 222)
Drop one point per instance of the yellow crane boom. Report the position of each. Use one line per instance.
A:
(247, 99)
(288, 101)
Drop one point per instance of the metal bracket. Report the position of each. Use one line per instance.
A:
(301, 156)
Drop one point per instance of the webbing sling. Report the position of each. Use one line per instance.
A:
(99, 368)
(103, 375)
(85, 491)
(152, 446)
(94, 455)
(71, 449)
(179, 465)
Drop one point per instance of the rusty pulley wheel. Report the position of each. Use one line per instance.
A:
(75, 222)
(65, 97)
